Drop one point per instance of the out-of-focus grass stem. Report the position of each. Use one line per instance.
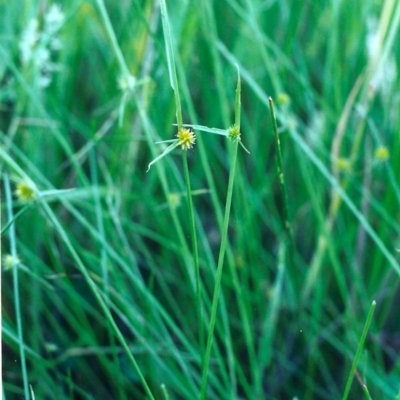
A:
(15, 268)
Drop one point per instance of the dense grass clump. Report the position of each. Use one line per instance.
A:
(200, 200)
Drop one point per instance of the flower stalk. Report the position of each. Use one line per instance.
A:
(224, 241)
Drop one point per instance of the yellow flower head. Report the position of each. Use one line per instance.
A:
(343, 165)
(234, 133)
(382, 153)
(9, 261)
(186, 138)
(283, 99)
(174, 199)
(25, 193)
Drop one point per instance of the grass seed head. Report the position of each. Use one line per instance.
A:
(234, 133)
(9, 261)
(283, 99)
(343, 165)
(382, 153)
(25, 193)
(186, 138)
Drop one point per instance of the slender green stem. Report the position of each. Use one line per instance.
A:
(165, 392)
(218, 278)
(366, 392)
(174, 84)
(171, 62)
(16, 216)
(128, 79)
(99, 221)
(230, 358)
(13, 251)
(195, 252)
(238, 101)
(32, 393)
(281, 176)
(289, 246)
(359, 350)
(110, 31)
(270, 322)
(148, 129)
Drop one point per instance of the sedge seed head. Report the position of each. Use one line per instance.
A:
(9, 261)
(343, 165)
(25, 193)
(382, 153)
(234, 133)
(186, 138)
(283, 99)
(174, 200)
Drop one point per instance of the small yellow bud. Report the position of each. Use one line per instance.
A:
(25, 193)
(9, 261)
(234, 133)
(343, 165)
(283, 99)
(174, 200)
(382, 153)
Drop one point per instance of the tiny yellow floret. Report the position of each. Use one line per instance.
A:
(9, 261)
(382, 153)
(25, 193)
(283, 99)
(234, 133)
(186, 138)
(174, 200)
(343, 165)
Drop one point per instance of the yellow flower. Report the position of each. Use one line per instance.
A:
(283, 99)
(186, 138)
(174, 199)
(343, 164)
(25, 193)
(9, 261)
(234, 133)
(382, 153)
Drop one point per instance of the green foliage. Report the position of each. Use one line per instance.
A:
(212, 273)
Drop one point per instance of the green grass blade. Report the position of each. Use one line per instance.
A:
(359, 350)
(195, 249)
(238, 98)
(171, 62)
(16, 290)
(203, 128)
(114, 42)
(270, 322)
(218, 278)
(165, 392)
(221, 256)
